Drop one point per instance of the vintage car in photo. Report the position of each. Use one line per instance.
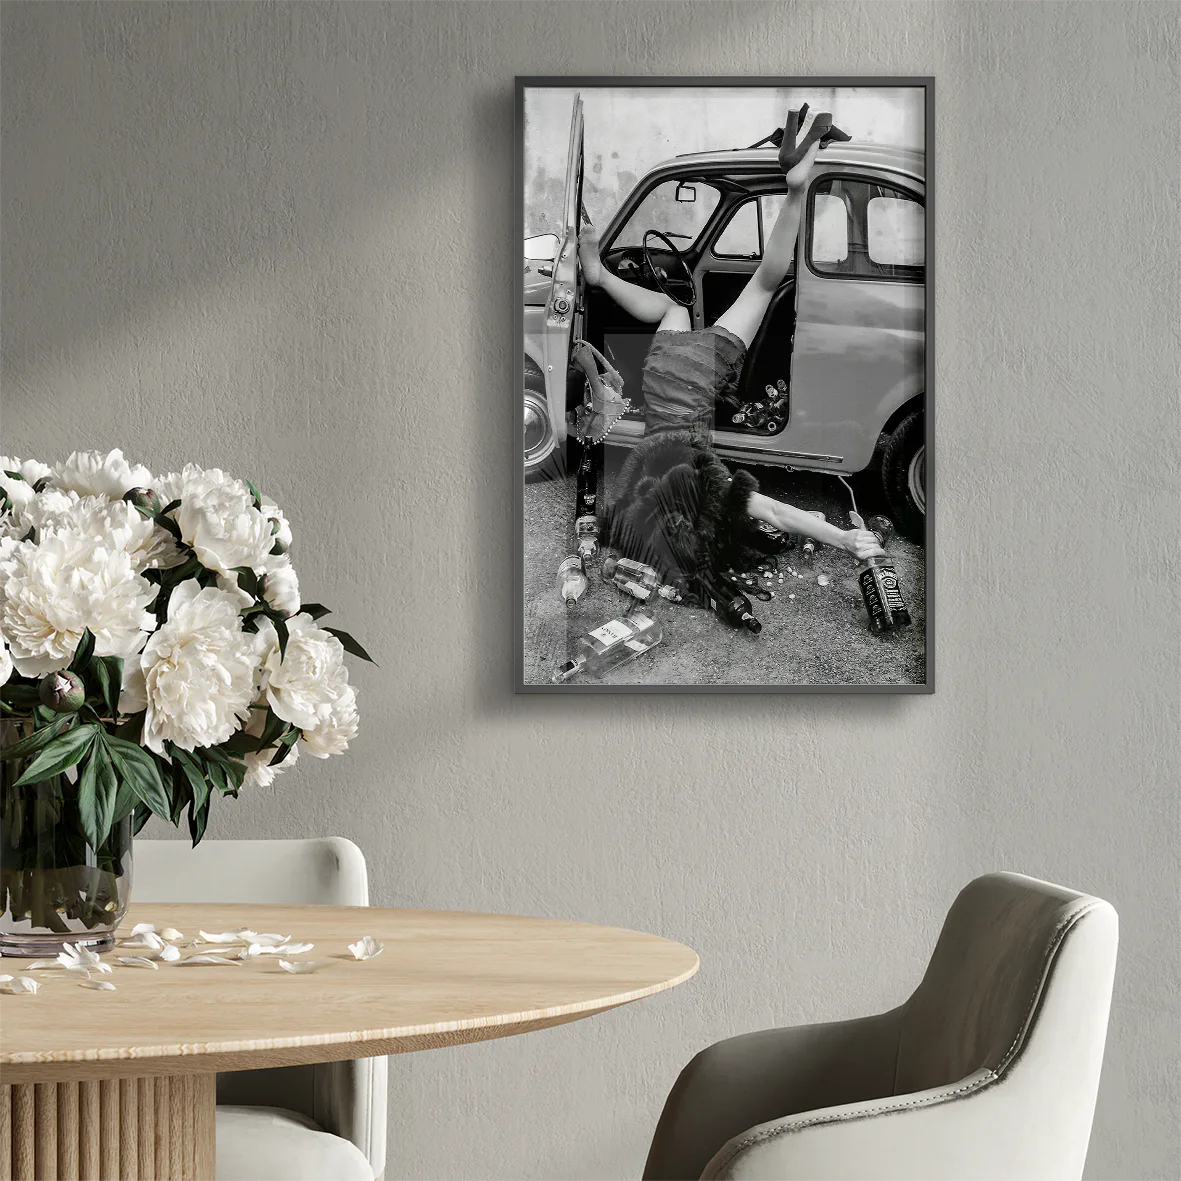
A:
(841, 352)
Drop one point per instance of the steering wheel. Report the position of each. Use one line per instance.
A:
(662, 282)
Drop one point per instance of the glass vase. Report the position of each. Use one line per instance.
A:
(55, 887)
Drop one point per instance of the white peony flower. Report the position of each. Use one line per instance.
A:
(330, 736)
(112, 523)
(258, 771)
(280, 526)
(218, 519)
(53, 591)
(20, 491)
(5, 662)
(196, 675)
(90, 474)
(280, 587)
(229, 584)
(302, 686)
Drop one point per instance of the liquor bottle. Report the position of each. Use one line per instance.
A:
(808, 549)
(571, 580)
(731, 606)
(587, 484)
(638, 580)
(614, 643)
(884, 603)
(586, 532)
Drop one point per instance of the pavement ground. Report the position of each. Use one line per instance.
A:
(819, 637)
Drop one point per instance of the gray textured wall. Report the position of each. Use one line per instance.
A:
(280, 240)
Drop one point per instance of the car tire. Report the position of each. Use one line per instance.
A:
(904, 476)
(548, 458)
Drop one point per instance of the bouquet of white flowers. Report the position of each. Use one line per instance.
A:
(153, 646)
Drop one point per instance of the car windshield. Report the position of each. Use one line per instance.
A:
(681, 220)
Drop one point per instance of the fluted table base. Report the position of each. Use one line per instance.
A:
(126, 1129)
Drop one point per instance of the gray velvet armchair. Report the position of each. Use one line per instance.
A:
(990, 1069)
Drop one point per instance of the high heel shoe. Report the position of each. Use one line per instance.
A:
(822, 130)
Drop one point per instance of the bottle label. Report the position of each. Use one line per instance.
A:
(586, 527)
(642, 622)
(873, 593)
(612, 632)
(636, 590)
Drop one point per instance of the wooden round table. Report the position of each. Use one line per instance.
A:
(85, 1074)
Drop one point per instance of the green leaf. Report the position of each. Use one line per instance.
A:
(125, 803)
(255, 493)
(274, 726)
(249, 581)
(97, 794)
(88, 802)
(60, 755)
(192, 771)
(198, 819)
(350, 645)
(315, 610)
(168, 524)
(217, 777)
(83, 652)
(135, 764)
(108, 675)
(35, 741)
(285, 745)
(281, 631)
(141, 816)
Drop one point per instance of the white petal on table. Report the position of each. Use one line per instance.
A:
(172, 935)
(138, 961)
(20, 984)
(301, 966)
(146, 939)
(98, 985)
(282, 949)
(220, 937)
(366, 948)
(211, 959)
(142, 929)
(168, 954)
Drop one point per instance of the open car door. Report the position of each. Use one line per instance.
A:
(564, 308)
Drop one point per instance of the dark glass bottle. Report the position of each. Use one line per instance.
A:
(731, 606)
(884, 602)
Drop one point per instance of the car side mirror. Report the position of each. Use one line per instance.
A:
(541, 247)
(686, 194)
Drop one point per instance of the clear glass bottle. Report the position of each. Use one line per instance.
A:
(638, 580)
(571, 580)
(611, 644)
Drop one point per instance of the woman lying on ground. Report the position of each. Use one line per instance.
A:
(677, 506)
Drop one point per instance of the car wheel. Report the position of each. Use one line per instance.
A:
(545, 457)
(904, 476)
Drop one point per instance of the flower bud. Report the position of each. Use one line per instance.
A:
(62, 692)
(144, 499)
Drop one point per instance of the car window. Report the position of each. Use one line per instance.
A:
(861, 229)
(683, 221)
(897, 232)
(744, 236)
(830, 230)
(740, 238)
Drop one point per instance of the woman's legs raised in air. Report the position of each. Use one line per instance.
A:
(745, 314)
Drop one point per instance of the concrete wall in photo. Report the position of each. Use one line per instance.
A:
(281, 239)
(629, 130)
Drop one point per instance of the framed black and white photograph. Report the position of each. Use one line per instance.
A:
(727, 399)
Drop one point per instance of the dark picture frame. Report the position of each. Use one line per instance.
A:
(526, 678)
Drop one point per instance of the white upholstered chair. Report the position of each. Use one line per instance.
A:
(989, 1070)
(292, 1123)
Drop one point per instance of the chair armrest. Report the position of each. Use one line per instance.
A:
(979, 1128)
(349, 1099)
(760, 1077)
